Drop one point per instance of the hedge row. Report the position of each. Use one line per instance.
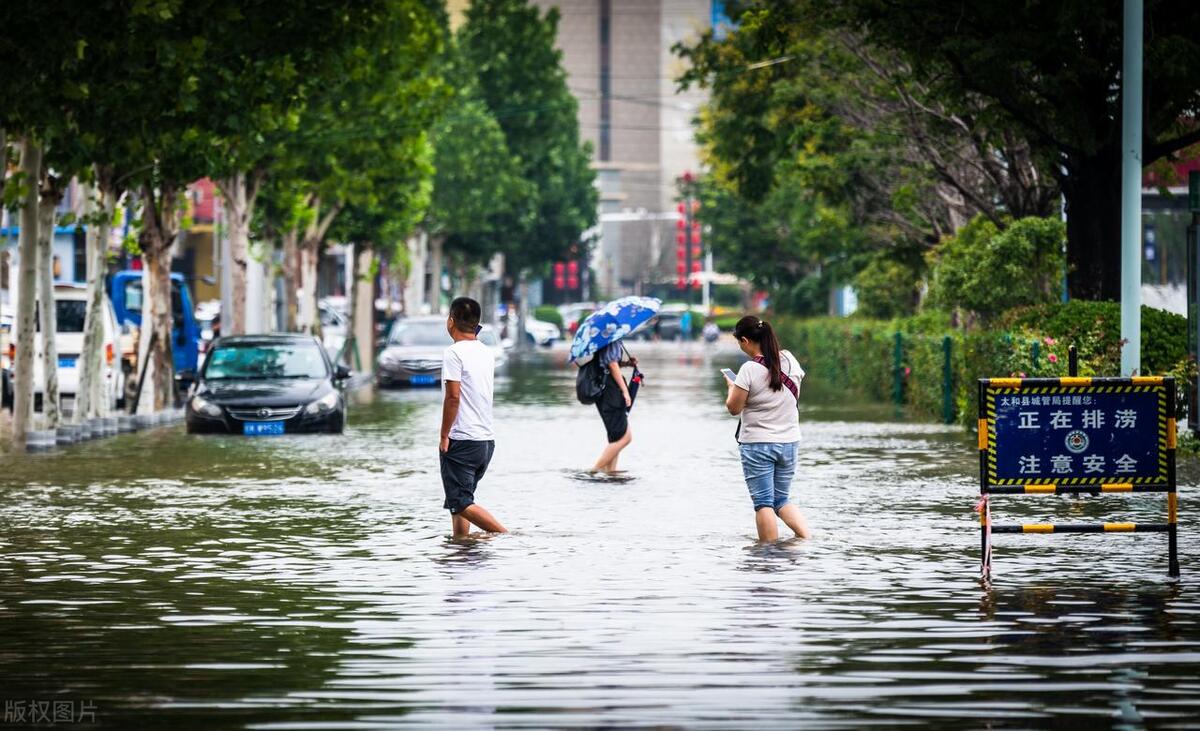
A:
(861, 353)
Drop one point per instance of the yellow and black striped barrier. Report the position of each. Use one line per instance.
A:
(1077, 436)
(1082, 528)
(1053, 488)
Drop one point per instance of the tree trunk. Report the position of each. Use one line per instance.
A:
(92, 398)
(291, 254)
(310, 321)
(31, 166)
(1093, 193)
(51, 194)
(310, 258)
(239, 208)
(414, 290)
(159, 227)
(4, 255)
(3, 160)
(362, 313)
(520, 338)
(436, 263)
(352, 295)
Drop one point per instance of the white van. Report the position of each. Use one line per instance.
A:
(70, 305)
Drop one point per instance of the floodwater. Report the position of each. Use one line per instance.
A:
(181, 582)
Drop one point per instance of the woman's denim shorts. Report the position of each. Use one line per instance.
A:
(769, 468)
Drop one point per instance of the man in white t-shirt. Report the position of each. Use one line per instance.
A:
(467, 441)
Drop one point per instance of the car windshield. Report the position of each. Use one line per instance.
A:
(265, 360)
(419, 333)
(133, 301)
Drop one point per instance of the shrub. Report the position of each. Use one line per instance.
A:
(987, 271)
(858, 353)
(887, 288)
(548, 313)
(1094, 328)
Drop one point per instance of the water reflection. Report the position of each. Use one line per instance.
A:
(228, 582)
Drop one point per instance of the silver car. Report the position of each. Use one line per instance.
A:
(413, 354)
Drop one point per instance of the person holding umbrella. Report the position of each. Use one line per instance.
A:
(599, 338)
(614, 405)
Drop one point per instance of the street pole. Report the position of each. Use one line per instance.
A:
(708, 273)
(1131, 191)
(687, 249)
(1193, 296)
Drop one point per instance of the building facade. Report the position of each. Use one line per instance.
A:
(621, 69)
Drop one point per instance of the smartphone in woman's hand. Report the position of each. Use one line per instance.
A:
(729, 374)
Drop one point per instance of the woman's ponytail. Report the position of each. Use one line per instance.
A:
(759, 331)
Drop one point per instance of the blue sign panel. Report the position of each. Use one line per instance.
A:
(1075, 435)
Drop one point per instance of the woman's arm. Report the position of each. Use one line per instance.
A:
(614, 370)
(735, 401)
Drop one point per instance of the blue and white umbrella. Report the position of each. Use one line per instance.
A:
(610, 323)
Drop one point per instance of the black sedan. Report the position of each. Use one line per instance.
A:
(267, 384)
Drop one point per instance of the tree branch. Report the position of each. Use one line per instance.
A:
(254, 186)
(327, 220)
(1162, 149)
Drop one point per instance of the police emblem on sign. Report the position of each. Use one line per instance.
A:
(1077, 441)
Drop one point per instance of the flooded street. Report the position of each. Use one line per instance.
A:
(308, 582)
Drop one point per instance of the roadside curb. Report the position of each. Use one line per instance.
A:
(99, 428)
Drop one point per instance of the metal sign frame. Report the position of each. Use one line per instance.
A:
(996, 477)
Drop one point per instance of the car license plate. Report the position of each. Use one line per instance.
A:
(422, 380)
(66, 361)
(262, 428)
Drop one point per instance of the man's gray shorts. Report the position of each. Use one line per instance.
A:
(463, 466)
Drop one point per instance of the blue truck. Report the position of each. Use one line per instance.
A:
(125, 291)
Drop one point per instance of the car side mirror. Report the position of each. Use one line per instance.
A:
(186, 376)
(341, 372)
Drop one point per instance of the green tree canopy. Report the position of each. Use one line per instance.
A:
(1050, 72)
(478, 189)
(849, 159)
(986, 270)
(510, 45)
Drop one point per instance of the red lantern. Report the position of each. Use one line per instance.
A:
(559, 269)
(572, 282)
(696, 252)
(681, 283)
(572, 268)
(695, 266)
(681, 267)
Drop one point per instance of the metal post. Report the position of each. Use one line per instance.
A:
(897, 373)
(1035, 356)
(1193, 296)
(985, 547)
(1072, 362)
(706, 298)
(1131, 191)
(1172, 498)
(947, 382)
(687, 247)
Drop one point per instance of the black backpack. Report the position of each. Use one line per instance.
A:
(590, 381)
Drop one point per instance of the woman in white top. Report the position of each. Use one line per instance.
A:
(765, 393)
